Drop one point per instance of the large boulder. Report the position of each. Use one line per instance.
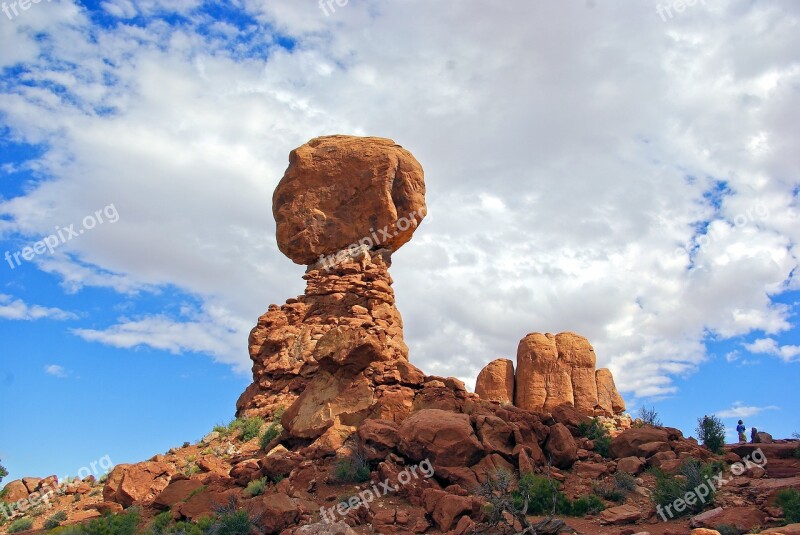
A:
(15, 491)
(561, 447)
(340, 191)
(496, 381)
(446, 438)
(130, 484)
(628, 443)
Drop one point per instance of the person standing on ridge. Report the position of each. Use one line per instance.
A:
(741, 429)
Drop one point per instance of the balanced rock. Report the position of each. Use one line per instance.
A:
(496, 381)
(340, 192)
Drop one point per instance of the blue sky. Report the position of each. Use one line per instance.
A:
(591, 167)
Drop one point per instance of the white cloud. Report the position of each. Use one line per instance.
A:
(209, 333)
(56, 371)
(16, 309)
(768, 346)
(568, 182)
(740, 410)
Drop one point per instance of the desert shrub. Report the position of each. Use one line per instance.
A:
(55, 520)
(222, 429)
(353, 469)
(251, 427)
(608, 490)
(711, 432)
(693, 474)
(727, 529)
(273, 430)
(22, 524)
(586, 505)
(3, 472)
(789, 501)
(160, 523)
(624, 481)
(541, 494)
(256, 487)
(649, 416)
(598, 434)
(232, 523)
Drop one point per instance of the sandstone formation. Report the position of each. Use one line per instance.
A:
(552, 370)
(340, 191)
(339, 410)
(496, 381)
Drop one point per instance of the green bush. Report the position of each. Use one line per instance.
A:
(693, 474)
(609, 492)
(270, 434)
(121, 524)
(711, 432)
(3, 472)
(598, 434)
(22, 524)
(541, 494)
(251, 428)
(256, 487)
(649, 416)
(232, 523)
(55, 520)
(353, 469)
(789, 501)
(624, 481)
(586, 505)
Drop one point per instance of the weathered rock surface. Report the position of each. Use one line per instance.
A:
(496, 381)
(346, 320)
(557, 369)
(344, 190)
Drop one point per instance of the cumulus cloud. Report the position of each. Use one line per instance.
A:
(644, 196)
(17, 309)
(768, 346)
(740, 410)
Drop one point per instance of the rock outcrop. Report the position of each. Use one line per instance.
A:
(496, 381)
(552, 370)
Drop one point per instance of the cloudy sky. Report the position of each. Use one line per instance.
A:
(625, 170)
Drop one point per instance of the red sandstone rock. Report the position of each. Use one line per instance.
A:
(140, 483)
(561, 447)
(445, 438)
(15, 491)
(175, 492)
(496, 381)
(627, 443)
(608, 398)
(622, 514)
(343, 190)
(560, 369)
